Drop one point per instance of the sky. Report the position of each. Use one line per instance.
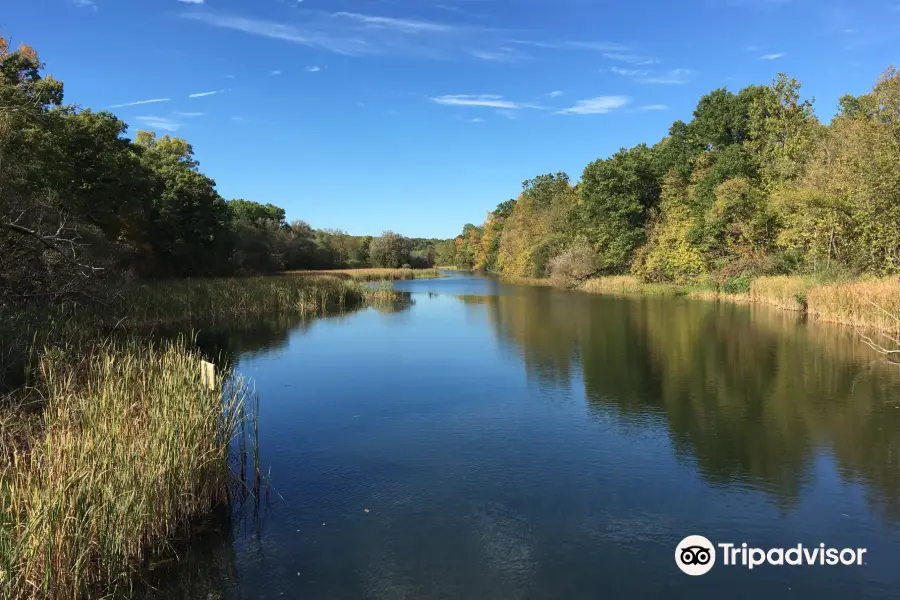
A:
(419, 116)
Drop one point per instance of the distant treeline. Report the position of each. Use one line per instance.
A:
(81, 204)
(753, 185)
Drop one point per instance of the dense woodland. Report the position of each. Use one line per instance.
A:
(753, 185)
(81, 204)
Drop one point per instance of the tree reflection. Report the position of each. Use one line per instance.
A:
(749, 394)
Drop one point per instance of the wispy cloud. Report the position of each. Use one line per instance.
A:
(192, 1)
(572, 45)
(407, 25)
(202, 94)
(760, 4)
(228, 76)
(499, 55)
(483, 100)
(555, 94)
(356, 34)
(653, 107)
(313, 69)
(275, 72)
(632, 59)
(595, 106)
(189, 114)
(477, 120)
(154, 100)
(85, 4)
(772, 56)
(673, 77)
(164, 123)
(630, 72)
(238, 119)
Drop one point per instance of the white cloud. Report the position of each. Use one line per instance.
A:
(632, 59)
(630, 72)
(476, 120)
(85, 4)
(596, 106)
(405, 25)
(356, 34)
(202, 94)
(275, 72)
(140, 102)
(555, 94)
(192, 1)
(313, 69)
(164, 123)
(501, 55)
(572, 45)
(673, 77)
(238, 119)
(229, 76)
(189, 114)
(483, 100)
(772, 56)
(653, 107)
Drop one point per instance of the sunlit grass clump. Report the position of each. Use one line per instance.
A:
(128, 449)
(871, 304)
(629, 285)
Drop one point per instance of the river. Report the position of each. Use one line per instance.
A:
(482, 440)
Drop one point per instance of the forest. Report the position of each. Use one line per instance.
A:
(82, 205)
(753, 185)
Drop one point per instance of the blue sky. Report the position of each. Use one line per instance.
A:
(420, 115)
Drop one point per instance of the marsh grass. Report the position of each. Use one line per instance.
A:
(873, 304)
(111, 448)
(870, 304)
(371, 274)
(128, 449)
(627, 285)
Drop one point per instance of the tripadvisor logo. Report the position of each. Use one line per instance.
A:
(696, 555)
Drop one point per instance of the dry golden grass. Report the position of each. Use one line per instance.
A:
(627, 285)
(787, 292)
(373, 274)
(871, 304)
(129, 449)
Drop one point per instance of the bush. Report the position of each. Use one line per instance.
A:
(574, 265)
(737, 285)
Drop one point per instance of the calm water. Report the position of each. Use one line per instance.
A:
(488, 441)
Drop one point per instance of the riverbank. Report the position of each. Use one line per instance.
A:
(872, 304)
(373, 274)
(112, 444)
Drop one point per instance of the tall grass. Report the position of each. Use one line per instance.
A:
(871, 304)
(628, 285)
(788, 292)
(372, 274)
(129, 448)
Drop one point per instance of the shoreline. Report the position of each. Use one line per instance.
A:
(870, 304)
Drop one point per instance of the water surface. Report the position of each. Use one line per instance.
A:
(481, 440)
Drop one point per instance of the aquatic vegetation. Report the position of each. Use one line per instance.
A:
(128, 449)
(372, 274)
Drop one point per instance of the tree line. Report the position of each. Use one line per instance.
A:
(82, 204)
(754, 184)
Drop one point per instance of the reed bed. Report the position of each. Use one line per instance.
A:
(873, 304)
(128, 449)
(372, 274)
(784, 291)
(627, 285)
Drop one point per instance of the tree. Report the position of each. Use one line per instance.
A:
(617, 195)
(390, 250)
(189, 229)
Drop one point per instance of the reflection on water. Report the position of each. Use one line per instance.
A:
(747, 393)
(481, 440)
